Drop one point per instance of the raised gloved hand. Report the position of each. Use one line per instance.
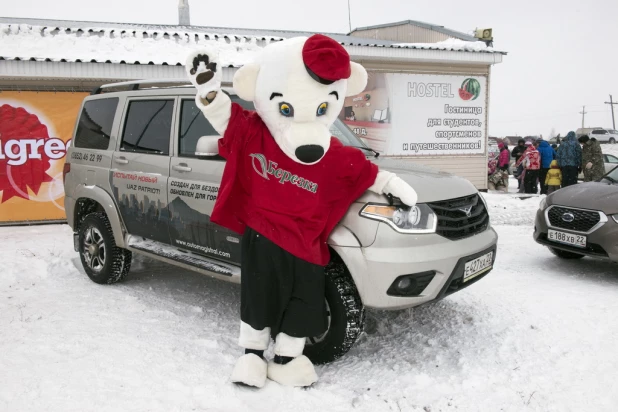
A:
(204, 72)
(589, 165)
(390, 183)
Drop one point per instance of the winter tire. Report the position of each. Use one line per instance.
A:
(563, 254)
(103, 261)
(612, 140)
(346, 316)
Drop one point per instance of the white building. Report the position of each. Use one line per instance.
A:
(412, 85)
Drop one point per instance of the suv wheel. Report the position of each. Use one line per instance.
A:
(612, 140)
(346, 316)
(103, 261)
(563, 254)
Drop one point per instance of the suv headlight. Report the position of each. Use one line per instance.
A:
(417, 219)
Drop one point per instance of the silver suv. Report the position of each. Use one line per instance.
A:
(139, 178)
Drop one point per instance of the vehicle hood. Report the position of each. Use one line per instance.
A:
(592, 195)
(431, 185)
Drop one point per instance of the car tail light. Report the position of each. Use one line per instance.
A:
(66, 169)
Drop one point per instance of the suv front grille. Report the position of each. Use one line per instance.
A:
(583, 220)
(460, 218)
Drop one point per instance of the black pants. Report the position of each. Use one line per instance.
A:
(569, 175)
(279, 290)
(542, 176)
(530, 181)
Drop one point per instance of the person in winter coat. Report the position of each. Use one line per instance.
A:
(547, 156)
(532, 164)
(569, 158)
(516, 153)
(499, 179)
(521, 171)
(519, 150)
(503, 158)
(553, 179)
(592, 159)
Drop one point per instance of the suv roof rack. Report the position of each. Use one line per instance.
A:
(135, 84)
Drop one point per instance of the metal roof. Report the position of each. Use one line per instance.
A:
(175, 37)
(441, 29)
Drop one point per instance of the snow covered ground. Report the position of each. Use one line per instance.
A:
(537, 334)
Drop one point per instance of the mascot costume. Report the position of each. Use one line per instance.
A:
(285, 186)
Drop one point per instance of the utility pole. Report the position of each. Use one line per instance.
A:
(611, 104)
(349, 17)
(583, 113)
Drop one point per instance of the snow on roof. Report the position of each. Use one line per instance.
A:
(73, 41)
(450, 44)
(96, 44)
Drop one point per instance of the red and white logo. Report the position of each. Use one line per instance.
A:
(26, 154)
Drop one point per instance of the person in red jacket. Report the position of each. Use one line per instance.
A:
(503, 158)
(532, 165)
(286, 184)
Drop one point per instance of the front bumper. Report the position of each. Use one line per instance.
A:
(392, 255)
(602, 242)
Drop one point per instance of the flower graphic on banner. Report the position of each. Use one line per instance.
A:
(24, 153)
(470, 89)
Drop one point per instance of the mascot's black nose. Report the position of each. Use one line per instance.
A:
(309, 153)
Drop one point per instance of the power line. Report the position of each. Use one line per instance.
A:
(349, 17)
(611, 104)
(583, 113)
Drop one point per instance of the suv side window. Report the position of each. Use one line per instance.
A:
(194, 125)
(147, 127)
(95, 124)
(599, 132)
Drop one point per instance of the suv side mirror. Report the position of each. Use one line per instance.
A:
(207, 146)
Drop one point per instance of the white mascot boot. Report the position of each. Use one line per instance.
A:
(297, 372)
(250, 368)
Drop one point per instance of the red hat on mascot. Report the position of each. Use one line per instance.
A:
(326, 60)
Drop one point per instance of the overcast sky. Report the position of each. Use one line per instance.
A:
(562, 54)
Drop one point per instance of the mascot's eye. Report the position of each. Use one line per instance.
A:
(286, 109)
(322, 109)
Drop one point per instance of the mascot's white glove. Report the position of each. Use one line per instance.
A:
(589, 165)
(202, 67)
(390, 183)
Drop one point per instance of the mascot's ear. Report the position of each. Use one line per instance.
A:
(358, 79)
(245, 80)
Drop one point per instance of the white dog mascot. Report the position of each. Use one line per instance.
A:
(285, 186)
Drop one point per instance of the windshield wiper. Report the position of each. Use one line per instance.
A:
(611, 179)
(369, 149)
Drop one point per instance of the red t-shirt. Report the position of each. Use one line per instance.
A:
(295, 206)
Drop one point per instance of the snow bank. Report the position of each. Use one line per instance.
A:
(119, 45)
(610, 149)
(512, 209)
(537, 334)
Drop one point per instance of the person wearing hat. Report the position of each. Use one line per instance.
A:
(569, 158)
(547, 154)
(521, 174)
(286, 184)
(516, 153)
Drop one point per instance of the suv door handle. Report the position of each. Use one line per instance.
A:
(182, 167)
(121, 160)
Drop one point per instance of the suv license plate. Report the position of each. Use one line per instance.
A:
(477, 266)
(566, 238)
